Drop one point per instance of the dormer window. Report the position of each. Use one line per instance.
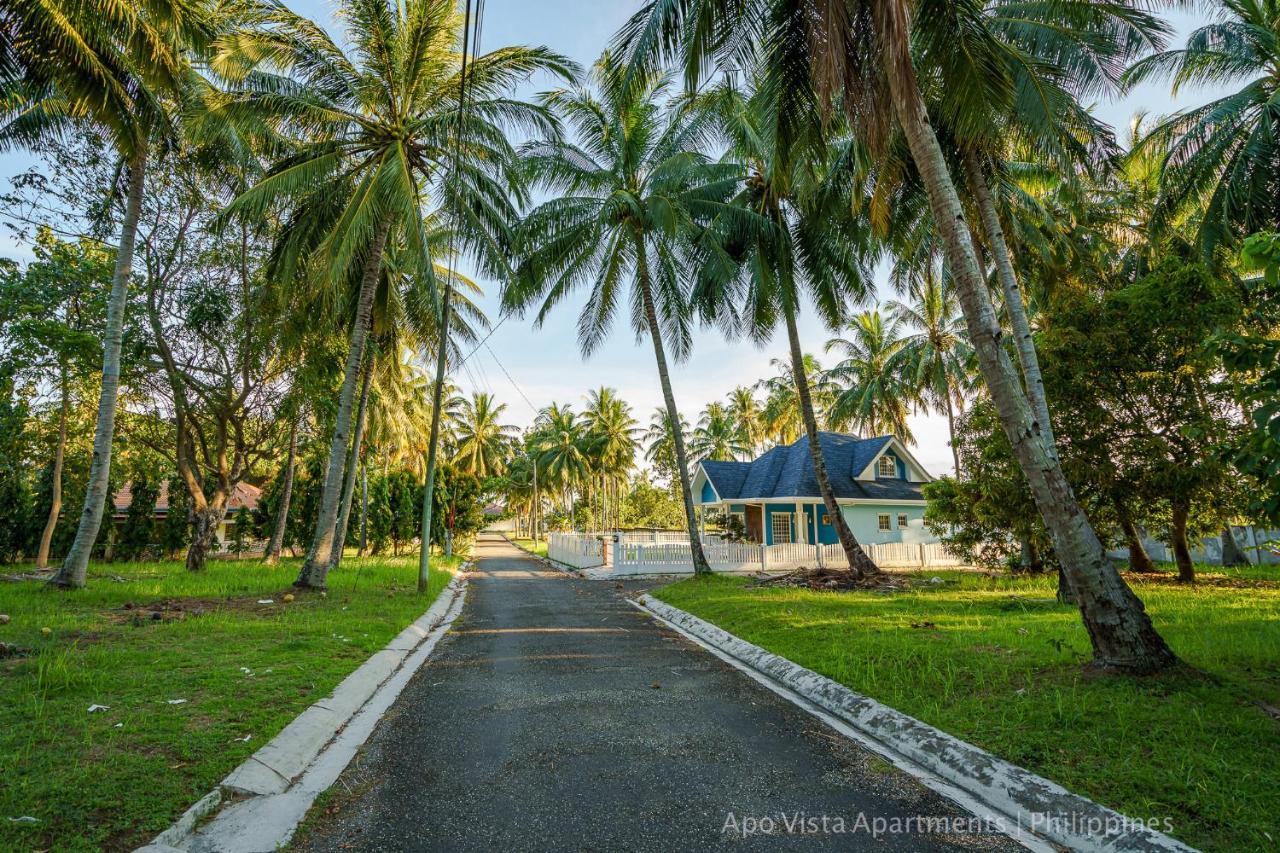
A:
(888, 468)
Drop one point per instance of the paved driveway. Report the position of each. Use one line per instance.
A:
(555, 716)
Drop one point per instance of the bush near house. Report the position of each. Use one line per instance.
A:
(999, 663)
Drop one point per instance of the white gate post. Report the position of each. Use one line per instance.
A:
(817, 554)
(764, 556)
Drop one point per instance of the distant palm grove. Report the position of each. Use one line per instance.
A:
(255, 251)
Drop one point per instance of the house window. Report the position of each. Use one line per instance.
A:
(782, 528)
(888, 468)
(902, 519)
(826, 519)
(884, 521)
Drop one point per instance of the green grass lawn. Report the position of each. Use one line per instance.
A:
(539, 547)
(112, 779)
(998, 662)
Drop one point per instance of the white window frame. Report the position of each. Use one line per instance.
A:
(892, 472)
(883, 522)
(903, 521)
(773, 526)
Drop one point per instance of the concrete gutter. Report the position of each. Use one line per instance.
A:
(1033, 810)
(258, 805)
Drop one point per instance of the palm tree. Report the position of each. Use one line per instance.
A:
(862, 50)
(717, 437)
(936, 358)
(611, 429)
(873, 373)
(1221, 158)
(112, 65)
(562, 449)
(802, 239)
(627, 193)
(660, 443)
(482, 442)
(745, 410)
(379, 125)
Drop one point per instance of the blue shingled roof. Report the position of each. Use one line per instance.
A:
(785, 472)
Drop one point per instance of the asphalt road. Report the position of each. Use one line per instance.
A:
(555, 716)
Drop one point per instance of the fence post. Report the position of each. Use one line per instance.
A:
(764, 557)
(817, 554)
(922, 561)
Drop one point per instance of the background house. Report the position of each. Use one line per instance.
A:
(245, 495)
(876, 481)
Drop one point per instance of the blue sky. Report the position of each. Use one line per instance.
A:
(545, 362)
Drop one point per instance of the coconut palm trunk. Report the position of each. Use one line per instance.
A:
(55, 487)
(951, 433)
(364, 510)
(349, 486)
(315, 568)
(1119, 628)
(1024, 343)
(859, 563)
(286, 496)
(76, 565)
(437, 403)
(700, 565)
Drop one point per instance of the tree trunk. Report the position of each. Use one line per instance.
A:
(1030, 559)
(364, 509)
(437, 400)
(1021, 325)
(349, 486)
(951, 432)
(1181, 548)
(76, 565)
(859, 563)
(1139, 559)
(286, 496)
(204, 532)
(55, 488)
(700, 565)
(1232, 554)
(315, 568)
(1119, 628)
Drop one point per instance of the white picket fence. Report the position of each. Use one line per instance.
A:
(676, 557)
(577, 550)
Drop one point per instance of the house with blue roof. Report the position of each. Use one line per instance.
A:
(876, 481)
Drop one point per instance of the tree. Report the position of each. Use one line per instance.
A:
(873, 374)
(1221, 159)
(862, 50)
(936, 358)
(15, 495)
(746, 413)
(611, 440)
(716, 436)
(242, 532)
(660, 450)
(1255, 358)
(629, 192)
(136, 534)
(112, 65)
(483, 442)
(380, 123)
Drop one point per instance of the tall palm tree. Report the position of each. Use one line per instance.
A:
(745, 410)
(1222, 158)
(482, 442)
(716, 436)
(803, 240)
(611, 429)
(873, 372)
(562, 448)
(862, 50)
(629, 191)
(936, 358)
(118, 66)
(376, 127)
(660, 442)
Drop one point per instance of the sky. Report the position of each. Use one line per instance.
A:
(529, 368)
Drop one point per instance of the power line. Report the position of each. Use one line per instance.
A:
(483, 340)
(514, 384)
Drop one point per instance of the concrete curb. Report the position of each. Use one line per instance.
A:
(1028, 807)
(260, 803)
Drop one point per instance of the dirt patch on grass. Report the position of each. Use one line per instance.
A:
(833, 579)
(1214, 581)
(177, 609)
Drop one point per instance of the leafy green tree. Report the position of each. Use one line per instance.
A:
(242, 531)
(628, 192)
(175, 532)
(1254, 359)
(648, 505)
(15, 492)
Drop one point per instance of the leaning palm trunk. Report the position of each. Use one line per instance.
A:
(349, 487)
(1120, 631)
(76, 565)
(437, 394)
(700, 565)
(860, 565)
(315, 568)
(1025, 343)
(286, 495)
(55, 502)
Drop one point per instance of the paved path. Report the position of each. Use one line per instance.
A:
(555, 716)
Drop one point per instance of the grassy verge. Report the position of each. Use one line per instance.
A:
(997, 662)
(539, 547)
(113, 778)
